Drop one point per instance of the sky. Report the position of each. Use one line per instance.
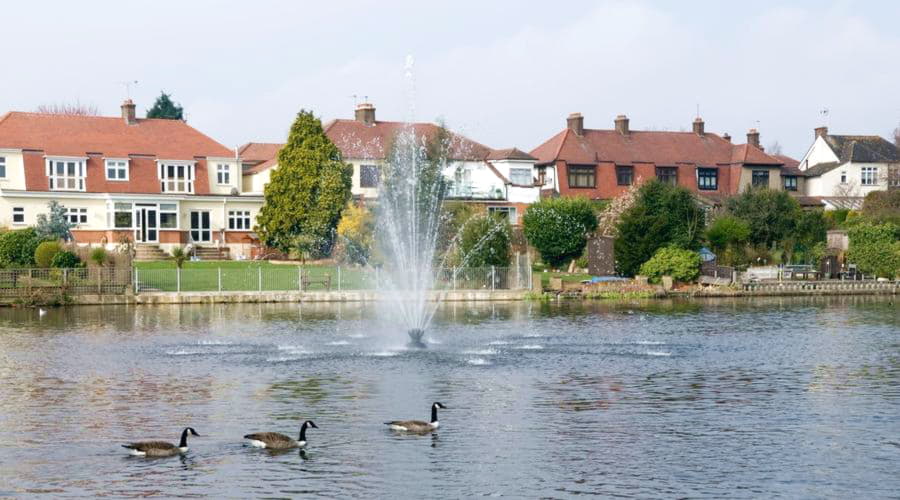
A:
(504, 73)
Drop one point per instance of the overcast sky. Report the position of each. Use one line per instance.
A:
(503, 73)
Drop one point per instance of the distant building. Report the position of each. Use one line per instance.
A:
(150, 181)
(842, 169)
(601, 164)
(496, 180)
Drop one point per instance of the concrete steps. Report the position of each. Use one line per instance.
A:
(212, 253)
(149, 252)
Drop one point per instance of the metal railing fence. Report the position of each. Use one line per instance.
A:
(75, 281)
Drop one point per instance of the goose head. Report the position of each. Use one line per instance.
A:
(310, 423)
(437, 405)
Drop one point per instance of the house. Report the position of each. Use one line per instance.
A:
(601, 164)
(842, 169)
(495, 180)
(158, 183)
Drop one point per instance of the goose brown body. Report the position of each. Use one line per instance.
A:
(279, 441)
(418, 426)
(160, 448)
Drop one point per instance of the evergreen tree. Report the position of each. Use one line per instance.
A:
(772, 215)
(166, 109)
(307, 192)
(56, 225)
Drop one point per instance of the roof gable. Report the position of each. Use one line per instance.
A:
(863, 148)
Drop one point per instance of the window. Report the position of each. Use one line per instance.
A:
(582, 177)
(368, 176)
(2, 167)
(843, 176)
(707, 179)
(122, 216)
(168, 216)
(624, 175)
(76, 215)
(521, 176)
(117, 170)
(18, 215)
(239, 220)
(869, 176)
(760, 178)
(667, 175)
(508, 212)
(223, 174)
(176, 177)
(66, 175)
(790, 182)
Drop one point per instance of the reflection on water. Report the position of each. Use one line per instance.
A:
(747, 398)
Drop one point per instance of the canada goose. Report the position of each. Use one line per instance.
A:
(278, 441)
(418, 425)
(160, 448)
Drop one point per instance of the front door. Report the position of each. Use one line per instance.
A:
(147, 227)
(200, 232)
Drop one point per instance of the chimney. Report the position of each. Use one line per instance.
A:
(575, 123)
(622, 124)
(365, 113)
(821, 132)
(128, 112)
(727, 137)
(698, 126)
(753, 137)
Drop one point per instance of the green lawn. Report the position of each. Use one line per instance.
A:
(236, 276)
(568, 277)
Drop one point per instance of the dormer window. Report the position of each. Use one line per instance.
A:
(66, 174)
(223, 174)
(116, 170)
(176, 177)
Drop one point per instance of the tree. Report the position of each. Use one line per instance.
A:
(882, 206)
(356, 235)
(611, 215)
(17, 248)
(166, 109)
(681, 264)
(727, 231)
(307, 192)
(484, 241)
(875, 248)
(772, 215)
(56, 225)
(663, 215)
(558, 228)
(68, 108)
(810, 230)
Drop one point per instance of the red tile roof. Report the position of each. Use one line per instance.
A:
(358, 140)
(660, 148)
(510, 154)
(790, 165)
(259, 151)
(67, 135)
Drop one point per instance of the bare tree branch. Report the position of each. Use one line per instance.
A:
(68, 108)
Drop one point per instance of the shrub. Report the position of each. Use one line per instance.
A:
(682, 265)
(882, 206)
(99, 256)
(558, 228)
(727, 231)
(772, 215)
(44, 253)
(875, 248)
(179, 256)
(65, 260)
(356, 235)
(484, 242)
(17, 247)
(662, 215)
(55, 225)
(581, 262)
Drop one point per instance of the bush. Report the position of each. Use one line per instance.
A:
(484, 242)
(44, 253)
(558, 228)
(682, 265)
(17, 247)
(356, 235)
(727, 231)
(882, 206)
(875, 248)
(99, 256)
(772, 215)
(662, 215)
(65, 260)
(55, 225)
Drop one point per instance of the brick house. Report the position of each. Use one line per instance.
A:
(494, 180)
(601, 164)
(158, 183)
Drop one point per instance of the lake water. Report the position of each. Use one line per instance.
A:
(739, 398)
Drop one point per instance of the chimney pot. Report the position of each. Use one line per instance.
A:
(128, 112)
(365, 113)
(821, 132)
(575, 123)
(622, 124)
(753, 137)
(727, 137)
(698, 126)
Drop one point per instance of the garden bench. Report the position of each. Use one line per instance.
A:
(325, 281)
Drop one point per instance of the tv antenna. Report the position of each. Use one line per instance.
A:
(127, 85)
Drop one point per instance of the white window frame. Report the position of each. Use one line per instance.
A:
(223, 174)
(121, 165)
(511, 213)
(171, 185)
(242, 216)
(522, 172)
(79, 176)
(2, 167)
(18, 211)
(868, 176)
(76, 215)
(163, 208)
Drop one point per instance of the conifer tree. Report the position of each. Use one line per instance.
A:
(166, 109)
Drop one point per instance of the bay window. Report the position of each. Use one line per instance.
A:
(122, 216)
(66, 174)
(168, 216)
(116, 170)
(521, 176)
(239, 220)
(176, 177)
